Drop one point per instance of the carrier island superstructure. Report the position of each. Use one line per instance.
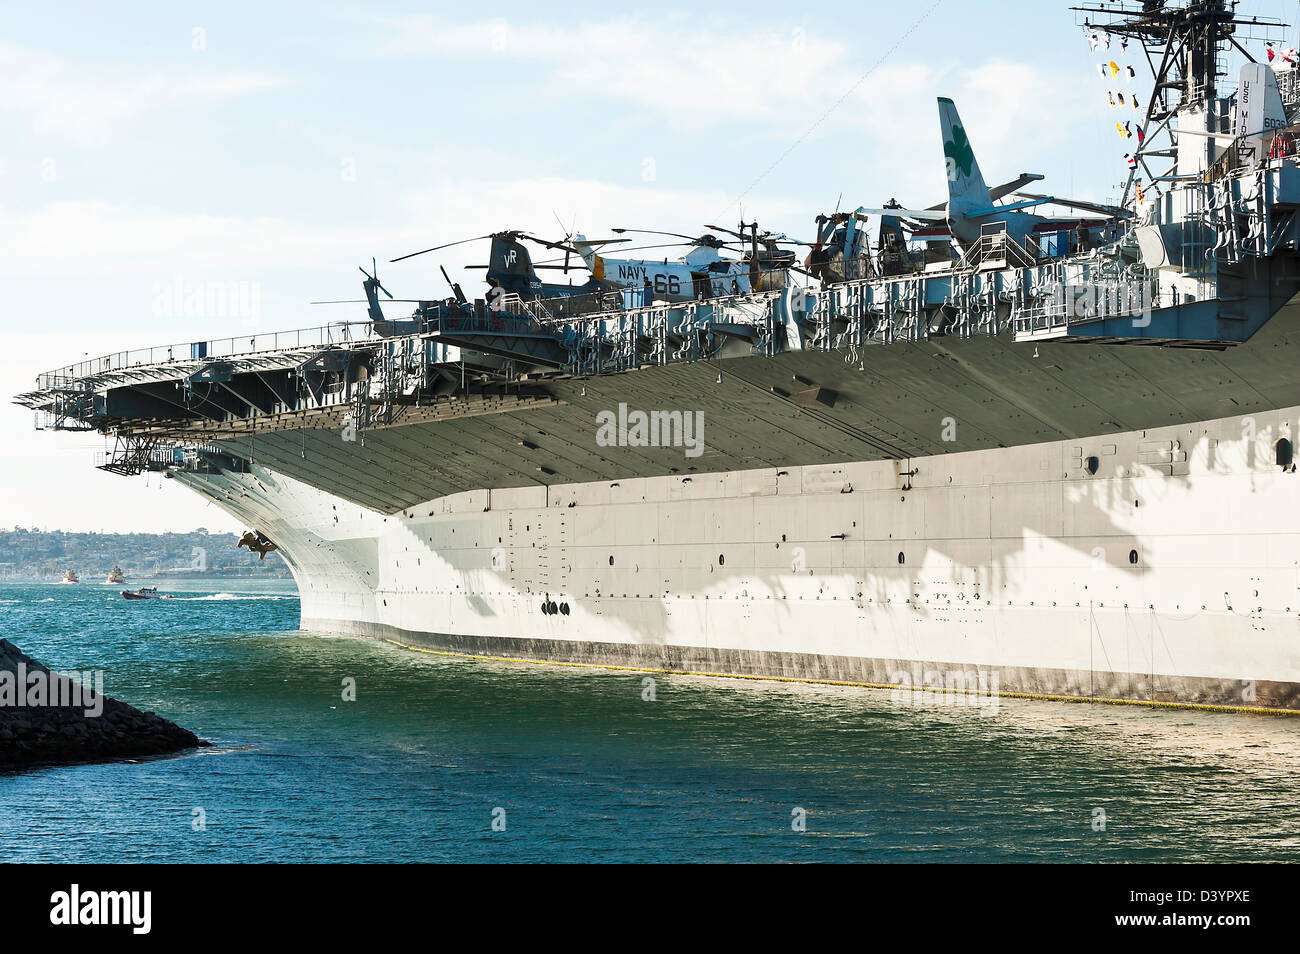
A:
(1063, 460)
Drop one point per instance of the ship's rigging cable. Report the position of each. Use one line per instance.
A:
(830, 109)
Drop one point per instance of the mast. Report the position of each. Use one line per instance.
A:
(1183, 43)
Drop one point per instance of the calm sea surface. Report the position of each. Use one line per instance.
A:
(581, 768)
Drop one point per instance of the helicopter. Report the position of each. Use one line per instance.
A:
(700, 273)
(842, 251)
(425, 311)
(510, 267)
(770, 265)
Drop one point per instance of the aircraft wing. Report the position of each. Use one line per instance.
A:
(1009, 207)
(998, 191)
(923, 215)
(1097, 207)
(1019, 182)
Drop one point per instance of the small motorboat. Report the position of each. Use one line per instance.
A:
(70, 577)
(115, 575)
(146, 593)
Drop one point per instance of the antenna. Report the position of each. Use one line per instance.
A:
(455, 288)
(1182, 44)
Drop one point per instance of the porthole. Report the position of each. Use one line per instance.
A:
(721, 559)
(1091, 465)
(564, 609)
(1133, 556)
(901, 558)
(554, 609)
(1285, 452)
(611, 559)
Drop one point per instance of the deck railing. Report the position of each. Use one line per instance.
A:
(321, 336)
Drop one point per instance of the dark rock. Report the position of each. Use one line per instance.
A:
(36, 734)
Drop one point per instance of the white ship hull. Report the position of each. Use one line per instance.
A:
(1171, 575)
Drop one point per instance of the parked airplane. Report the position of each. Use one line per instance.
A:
(971, 205)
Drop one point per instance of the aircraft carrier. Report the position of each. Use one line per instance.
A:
(1008, 453)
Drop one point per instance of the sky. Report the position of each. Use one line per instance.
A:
(161, 160)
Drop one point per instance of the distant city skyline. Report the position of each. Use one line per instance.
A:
(172, 176)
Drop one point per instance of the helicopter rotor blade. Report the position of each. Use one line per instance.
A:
(362, 301)
(548, 263)
(558, 246)
(689, 238)
(567, 236)
(646, 248)
(402, 258)
(373, 276)
(598, 242)
(783, 239)
(560, 223)
(374, 273)
(552, 261)
(719, 228)
(535, 265)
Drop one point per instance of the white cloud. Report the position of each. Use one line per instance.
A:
(533, 203)
(695, 74)
(55, 95)
(691, 70)
(95, 236)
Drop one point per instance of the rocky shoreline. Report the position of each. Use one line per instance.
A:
(47, 718)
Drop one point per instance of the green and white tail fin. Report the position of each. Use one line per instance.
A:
(966, 188)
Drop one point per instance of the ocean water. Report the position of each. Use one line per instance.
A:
(576, 765)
